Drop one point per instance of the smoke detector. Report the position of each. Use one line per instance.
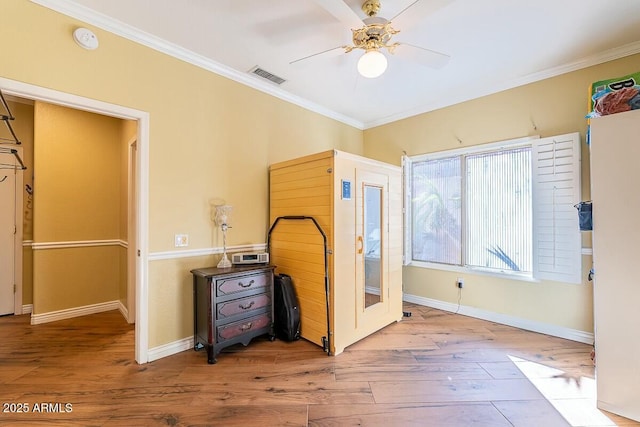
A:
(85, 38)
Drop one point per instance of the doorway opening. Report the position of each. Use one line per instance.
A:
(137, 188)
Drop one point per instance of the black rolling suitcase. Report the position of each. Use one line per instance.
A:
(286, 310)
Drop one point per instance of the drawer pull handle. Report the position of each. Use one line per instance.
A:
(247, 306)
(241, 284)
(246, 326)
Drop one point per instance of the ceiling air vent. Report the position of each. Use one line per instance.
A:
(267, 75)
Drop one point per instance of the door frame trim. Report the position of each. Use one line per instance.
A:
(132, 226)
(29, 91)
(17, 240)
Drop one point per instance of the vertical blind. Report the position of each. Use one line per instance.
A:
(436, 214)
(498, 210)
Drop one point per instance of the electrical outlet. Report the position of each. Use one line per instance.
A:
(460, 282)
(182, 240)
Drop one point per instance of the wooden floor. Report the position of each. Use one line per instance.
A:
(431, 369)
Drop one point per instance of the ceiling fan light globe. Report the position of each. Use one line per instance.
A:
(372, 64)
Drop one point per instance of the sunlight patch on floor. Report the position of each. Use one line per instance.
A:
(573, 396)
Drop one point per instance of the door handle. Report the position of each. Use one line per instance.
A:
(361, 247)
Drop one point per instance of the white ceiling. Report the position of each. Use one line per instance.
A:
(493, 45)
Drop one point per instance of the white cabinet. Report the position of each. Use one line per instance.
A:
(358, 204)
(615, 191)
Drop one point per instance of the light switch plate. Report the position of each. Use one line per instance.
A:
(182, 240)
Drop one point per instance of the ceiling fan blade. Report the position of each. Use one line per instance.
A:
(334, 51)
(342, 12)
(427, 57)
(416, 12)
(290, 29)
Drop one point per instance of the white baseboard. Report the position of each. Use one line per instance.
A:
(27, 309)
(69, 313)
(170, 349)
(504, 319)
(123, 310)
(630, 411)
(372, 290)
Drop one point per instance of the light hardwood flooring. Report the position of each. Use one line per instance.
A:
(431, 369)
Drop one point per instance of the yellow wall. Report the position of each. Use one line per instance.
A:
(77, 173)
(210, 138)
(550, 107)
(78, 198)
(74, 277)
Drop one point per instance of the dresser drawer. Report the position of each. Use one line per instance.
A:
(243, 306)
(244, 326)
(232, 285)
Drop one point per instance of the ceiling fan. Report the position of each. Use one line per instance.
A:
(374, 34)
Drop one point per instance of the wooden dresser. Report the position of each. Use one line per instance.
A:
(231, 306)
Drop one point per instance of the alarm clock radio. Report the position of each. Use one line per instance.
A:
(250, 258)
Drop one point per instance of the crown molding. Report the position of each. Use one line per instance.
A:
(129, 32)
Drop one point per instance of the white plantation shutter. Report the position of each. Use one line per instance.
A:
(406, 209)
(556, 189)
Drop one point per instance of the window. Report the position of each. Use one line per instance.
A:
(436, 214)
(505, 208)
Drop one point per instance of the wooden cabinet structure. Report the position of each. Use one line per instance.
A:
(357, 202)
(231, 306)
(615, 151)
